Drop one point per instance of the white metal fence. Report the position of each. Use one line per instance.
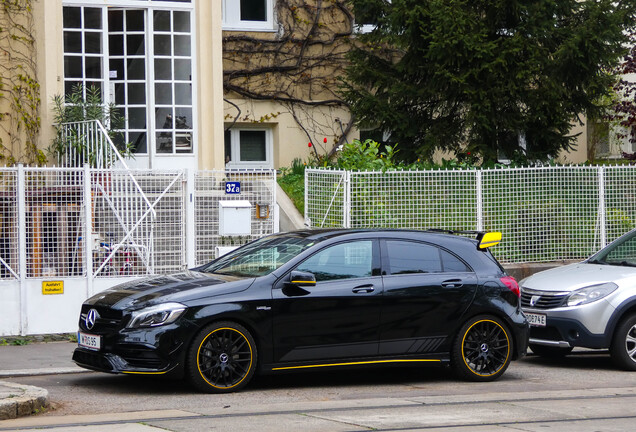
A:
(82, 230)
(87, 142)
(545, 213)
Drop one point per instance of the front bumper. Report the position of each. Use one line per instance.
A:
(132, 359)
(567, 333)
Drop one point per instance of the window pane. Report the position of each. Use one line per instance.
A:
(163, 69)
(253, 10)
(93, 67)
(93, 43)
(183, 94)
(115, 20)
(182, 71)
(136, 94)
(163, 118)
(163, 94)
(138, 141)
(116, 45)
(163, 45)
(342, 261)
(411, 257)
(136, 69)
(452, 263)
(120, 94)
(92, 18)
(72, 67)
(182, 21)
(135, 45)
(252, 146)
(182, 45)
(164, 142)
(135, 20)
(137, 118)
(72, 42)
(72, 17)
(162, 20)
(116, 69)
(184, 118)
(228, 146)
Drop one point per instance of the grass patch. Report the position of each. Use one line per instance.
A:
(294, 187)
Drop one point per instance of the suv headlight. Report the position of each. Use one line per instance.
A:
(156, 315)
(592, 293)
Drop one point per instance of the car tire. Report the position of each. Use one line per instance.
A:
(222, 358)
(550, 352)
(623, 349)
(482, 349)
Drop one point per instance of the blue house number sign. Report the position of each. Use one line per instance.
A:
(232, 187)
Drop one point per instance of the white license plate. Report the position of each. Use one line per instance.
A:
(537, 320)
(89, 341)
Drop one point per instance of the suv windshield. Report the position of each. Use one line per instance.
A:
(621, 252)
(260, 257)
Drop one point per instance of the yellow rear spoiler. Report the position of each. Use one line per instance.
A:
(488, 239)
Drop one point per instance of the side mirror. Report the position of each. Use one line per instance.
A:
(302, 279)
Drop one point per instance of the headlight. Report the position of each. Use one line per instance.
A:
(592, 293)
(156, 315)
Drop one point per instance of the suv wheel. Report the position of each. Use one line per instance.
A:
(623, 349)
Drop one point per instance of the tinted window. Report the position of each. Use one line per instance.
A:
(341, 261)
(411, 257)
(453, 264)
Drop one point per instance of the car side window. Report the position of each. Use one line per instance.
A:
(341, 261)
(406, 257)
(412, 257)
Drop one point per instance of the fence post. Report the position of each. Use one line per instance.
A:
(88, 230)
(190, 180)
(601, 206)
(480, 201)
(22, 242)
(346, 205)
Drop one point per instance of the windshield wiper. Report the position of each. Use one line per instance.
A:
(623, 263)
(596, 261)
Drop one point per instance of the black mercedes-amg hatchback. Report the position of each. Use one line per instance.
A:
(313, 299)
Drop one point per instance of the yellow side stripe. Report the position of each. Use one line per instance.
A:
(144, 373)
(356, 363)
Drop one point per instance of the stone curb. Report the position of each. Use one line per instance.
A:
(26, 401)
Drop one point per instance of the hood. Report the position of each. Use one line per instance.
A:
(575, 276)
(179, 287)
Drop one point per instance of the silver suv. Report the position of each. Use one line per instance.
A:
(591, 304)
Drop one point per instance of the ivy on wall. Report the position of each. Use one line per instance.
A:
(298, 66)
(19, 88)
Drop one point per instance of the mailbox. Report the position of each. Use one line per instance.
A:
(235, 218)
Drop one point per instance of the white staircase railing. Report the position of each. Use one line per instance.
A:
(87, 142)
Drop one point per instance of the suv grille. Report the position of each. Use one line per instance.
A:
(545, 300)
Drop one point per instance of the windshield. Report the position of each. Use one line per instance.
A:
(260, 257)
(621, 252)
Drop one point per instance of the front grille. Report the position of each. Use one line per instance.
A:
(108, 321)
(93, 360)
(545, 300)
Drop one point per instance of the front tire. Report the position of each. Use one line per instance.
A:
(222, 358)
(482, 349)
(623, 349)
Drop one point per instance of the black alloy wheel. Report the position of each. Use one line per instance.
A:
(222, 358)
(482, 350)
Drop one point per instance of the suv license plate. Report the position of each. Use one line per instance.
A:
(537, 320)
(89, 341)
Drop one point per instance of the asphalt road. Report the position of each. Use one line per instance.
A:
(579, 393)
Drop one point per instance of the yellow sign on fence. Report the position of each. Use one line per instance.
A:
(52, 287)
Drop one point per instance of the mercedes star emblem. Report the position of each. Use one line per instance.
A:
(91, 317)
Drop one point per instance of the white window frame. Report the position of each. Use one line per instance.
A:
(232, 17)
(235, 138)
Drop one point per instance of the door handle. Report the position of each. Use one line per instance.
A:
(363, 289)
(452, 283)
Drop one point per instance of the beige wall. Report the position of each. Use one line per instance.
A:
(290, 141)
(579, 154)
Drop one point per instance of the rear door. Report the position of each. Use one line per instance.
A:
(426, 291)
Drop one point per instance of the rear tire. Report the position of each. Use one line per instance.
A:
(549, 352)
(222, 358)
(623, 349)
(482, 349)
